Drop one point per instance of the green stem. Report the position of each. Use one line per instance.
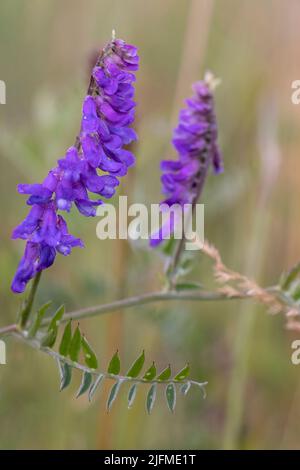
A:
(142, 300)
(151, 297)
(25, 312)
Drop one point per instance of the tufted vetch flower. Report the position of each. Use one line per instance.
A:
(195, 140)
(93, 165)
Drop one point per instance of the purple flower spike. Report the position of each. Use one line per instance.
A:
(195, 139)
(107, 112)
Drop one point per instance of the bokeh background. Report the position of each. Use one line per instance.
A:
(251, 215)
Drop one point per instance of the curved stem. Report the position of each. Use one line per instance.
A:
(122, 304)
(142, 300)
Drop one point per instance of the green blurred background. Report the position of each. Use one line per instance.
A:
(251, 215)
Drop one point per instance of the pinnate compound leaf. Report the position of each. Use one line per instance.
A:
(165, 374)
(171, 396)
(113, 394)
(66, 340)
(85, 383)
(95, 385)
(183, 373)
(114, 365)
(151, 373)
(75, 345)
(132, 395)
(65, 371)
(89, 355)
(150, 400)
(137, 366)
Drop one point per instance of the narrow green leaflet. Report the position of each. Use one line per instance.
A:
(171, 396)
(113, 394)
(114, 365)
(65, 372)
(150, 400)
(89, 355)
(132, 395)
(183, 373)
(56, 318)
(185, 388)
(75, 345)
(95, 385)
(85, 383)
(165, 374)
(151, 373)
(66, 340)
(49, 338)
(38, 320)
(137, 366)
